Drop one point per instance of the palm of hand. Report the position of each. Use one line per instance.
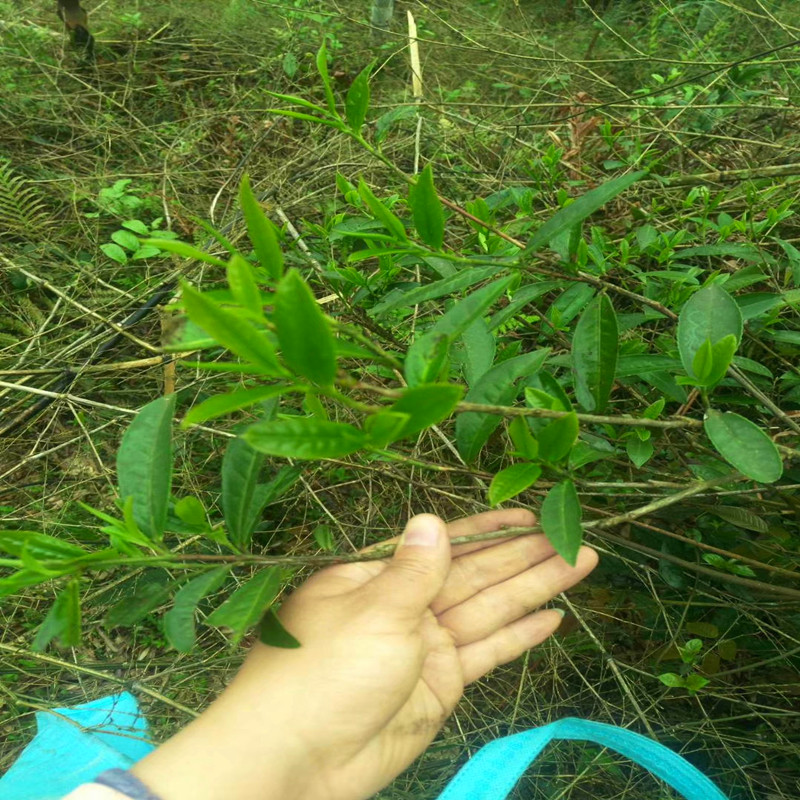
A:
(390, 650)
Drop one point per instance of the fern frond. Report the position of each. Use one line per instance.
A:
(23, 213)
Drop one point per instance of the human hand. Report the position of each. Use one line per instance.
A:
(387, 648)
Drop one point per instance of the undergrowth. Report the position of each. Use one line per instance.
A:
(525, 107)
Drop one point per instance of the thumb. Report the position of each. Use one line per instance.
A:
(418, 569)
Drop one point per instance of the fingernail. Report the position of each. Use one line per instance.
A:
(421, 532)
(560, 611)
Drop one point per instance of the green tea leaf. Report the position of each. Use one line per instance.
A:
(561, 520)
(382, 213)
(744, 445)
(148, 595)
(231, 331)
(261, 232)
(185, 251)
(191, 511)
(243, 286)
(582, 208)
(357, 102)
(741, 517)
(221, 404)
(426, 359)
(322, 68)
(144, 465)
(710, 313)
(384, 428)
(247, 604)
(431, 291)
(480, 346)
(179, 621)
(63, 620)
(305, 438)
(524, 441)
(497, 387)
(39, 545)
(306, 340)
(509, 482)
(426, 405)
(241, 466)
(594, 354)
(427, 210)
(703, 362)
(557, 437)
(273, 634)
(721, 358)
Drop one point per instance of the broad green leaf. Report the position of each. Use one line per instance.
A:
(427, 210)
(710, 313)
(384, 428)
(179, 621)
(305, 438)
(273, 634)
(427, 358)
(672, 679)
(306, 340)
(744, 445)
(570, 303)
(561, 520)
(322, 68)
(148, 595)
(144, 465)
(242, 282)
(39, 545)
(221, 404)
(557, 437)
(391, 222)
(231, 331)
(546, 382)
(512, 480)
(594, 354)
(639, 452)
(357, 102)
(741, 517)
(185, 251)
(261, 232)
(426, 405)
(630, 366)
(245, 607)
(191, 511)
(583, 207)
(62, 621)
(497, 387)
(525, 443)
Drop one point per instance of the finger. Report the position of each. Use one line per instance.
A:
(507, 644)
(498, 606)
(481, 569)
(485, 523)
(417, 570)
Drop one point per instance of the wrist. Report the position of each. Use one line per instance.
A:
(234, 749)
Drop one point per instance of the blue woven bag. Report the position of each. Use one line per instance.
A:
(494, 770)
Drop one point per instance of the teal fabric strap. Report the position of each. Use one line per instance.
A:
(494, 770)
